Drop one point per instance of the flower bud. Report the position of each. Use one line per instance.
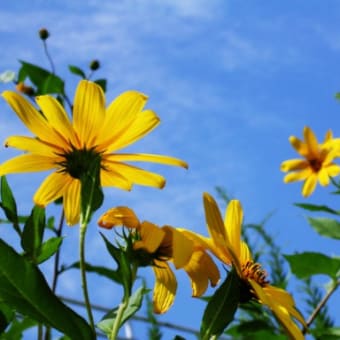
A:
(94, 65)
(44, 34)
(28, 90)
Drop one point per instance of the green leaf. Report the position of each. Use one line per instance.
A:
(101, 83)
(8, 203)
(76, 70)
(45, 81)
(17, 328)
(103, 271)
(24, 288)
(6, 316)
(49, 248)
(325, 226)
(133, 305)
(314, 207)
(222, 307)
(305, 264)
(33, 232)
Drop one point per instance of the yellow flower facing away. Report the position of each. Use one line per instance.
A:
(157, 247)
(226, 244)
(69, 146)
(317, 163)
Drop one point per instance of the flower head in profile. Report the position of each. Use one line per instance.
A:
(226, 244)
(157, 247)
(69, 147)
(317, 163)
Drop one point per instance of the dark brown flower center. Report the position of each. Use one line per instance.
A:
(315, 164)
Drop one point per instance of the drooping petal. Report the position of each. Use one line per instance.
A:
(143, 157)
(151, 237)
(34, 121)
(233, 225)
(88, 112)
(143, 124)
(72, 202)
(182, 247)
(298, 175)
(137, 175)
(120, 114)
(30, 144)
(27, 163)
(118, 216)
(309, 185)
(312, 142)
(165, 287)
(299, 146)
(52, 188)
(201, 270)
(58, 120)
(294, 164)
(110, 178)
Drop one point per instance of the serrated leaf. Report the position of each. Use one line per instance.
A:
(305, 264)
(8, 203)
(7, 77)
(315, 207)
(24, 288)
(33, 232)
(133, 305)
(49, 248)
(103, 271)
(325, 226)
(222, 307)
(76, 70)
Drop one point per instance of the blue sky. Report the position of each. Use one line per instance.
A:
(230, 80)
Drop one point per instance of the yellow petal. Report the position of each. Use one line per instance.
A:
(245, 254)
(72, 202)
(136, 175)
(52, 188)
(165, 287)
(233, 225)
(30, 144)
(182, 247)
(312, 143)
(143, 157)
(333, 170)
(151, 237)
(27, 163)
(119, 216)
(113, 179)
(323, 177)
(88, 112)
(298, 175)
(144, 123)
(299, 146)
(58, 119)
(34, 121)
(309, 185)
(294, 164)
(328, 136)
(201, 270)
(120, 115)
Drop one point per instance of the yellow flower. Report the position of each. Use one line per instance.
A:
(157, 246)
(69, 147)
(226, 244)
(317, 165)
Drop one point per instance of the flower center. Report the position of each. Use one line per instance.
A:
(254, 271)
(316, 164)
(79, 162)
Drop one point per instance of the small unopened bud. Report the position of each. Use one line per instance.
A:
(44, 34)
(28, 90)
(94, 65)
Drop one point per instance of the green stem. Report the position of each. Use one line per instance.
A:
(82, 233)
(117, 321)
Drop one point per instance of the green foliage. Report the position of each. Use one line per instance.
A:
(76, 70)
(306, 264)
(23, 287)
(325, 226)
